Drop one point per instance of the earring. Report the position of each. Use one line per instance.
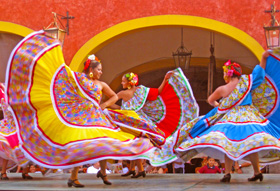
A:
(90, 74)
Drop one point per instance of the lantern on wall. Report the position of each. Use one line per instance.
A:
(182, 56)
(56, 29)
(272, 31)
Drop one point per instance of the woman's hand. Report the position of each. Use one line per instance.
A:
(168, 75)
(112, 96)
(216, 104)
(103, 105)
(263, 60)
(265, 54)
(166, 78)
(216, 95)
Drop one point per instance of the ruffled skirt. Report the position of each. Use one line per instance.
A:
(241, 131)
(59, 122)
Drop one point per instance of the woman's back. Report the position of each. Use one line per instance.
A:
(126, 95)
(228, 88)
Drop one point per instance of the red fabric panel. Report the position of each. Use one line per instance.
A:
(13, 140)
(173, 110)
(153, 93)
(2, 94)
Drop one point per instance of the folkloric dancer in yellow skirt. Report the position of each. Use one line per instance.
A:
(60, 122)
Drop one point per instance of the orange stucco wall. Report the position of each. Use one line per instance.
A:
(94, 16)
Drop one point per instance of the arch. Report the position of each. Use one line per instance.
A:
(124, 28)
(7, 27)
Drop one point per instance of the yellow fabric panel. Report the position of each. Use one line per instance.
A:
(133, 114)
(48, 121)
(130, 113)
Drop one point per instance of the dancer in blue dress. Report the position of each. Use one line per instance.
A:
(243, 123)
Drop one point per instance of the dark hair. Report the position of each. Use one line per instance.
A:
(219, 163)
(93, 64)
(239, 70)
(125, 75)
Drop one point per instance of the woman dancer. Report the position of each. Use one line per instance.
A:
(167, 107)
(93, 71)
(60, 120)
(244, 123)
(9, 155)
(129, 82)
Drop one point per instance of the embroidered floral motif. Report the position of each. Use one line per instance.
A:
(138, 100)
(235, 149)
(264, 97)
(237, 95)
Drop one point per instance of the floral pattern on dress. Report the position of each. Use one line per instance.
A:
(19, 71)
(235, 149)
(162, 155)
(153, 133)
(7, 131)
(236, 97)
(264, 97)
(138, 100)
(238, 131)
(32, 70)
(89, 87)
(7, 124)
(154, 109)
(79, 112)
(183, 132)
(272, 156)
(177, 91)
(183, 89)
(243, 114)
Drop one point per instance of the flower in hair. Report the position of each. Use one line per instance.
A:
(229, 68)
(91, 58)
(228, 63)
(132, 79)
(230, 73)
(87, 64)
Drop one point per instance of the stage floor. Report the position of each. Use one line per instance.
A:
(159, 182)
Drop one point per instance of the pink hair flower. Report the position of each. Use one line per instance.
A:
(227, 63)
(230, 73)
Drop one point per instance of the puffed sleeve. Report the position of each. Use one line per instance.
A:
(258, 75)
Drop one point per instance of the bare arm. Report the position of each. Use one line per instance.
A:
(263, 60)
(167, 76)
(113, 98)
(120, 96)
(115, 106)
(217, 94)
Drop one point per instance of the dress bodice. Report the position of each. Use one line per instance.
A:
(241, 95)
(89, 87)
(138, 99)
